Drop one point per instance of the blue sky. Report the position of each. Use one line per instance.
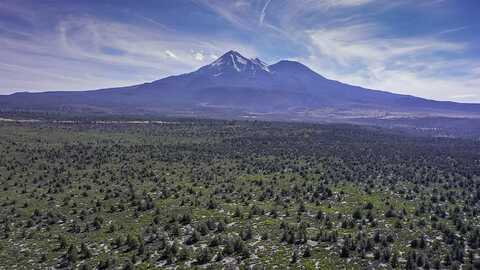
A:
(428, 48)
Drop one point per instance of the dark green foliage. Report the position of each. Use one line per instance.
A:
(203, 256)
(200, 193)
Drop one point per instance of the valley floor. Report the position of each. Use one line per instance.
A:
(228, 194)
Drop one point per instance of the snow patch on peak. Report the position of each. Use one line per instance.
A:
(261, 64)
(235, 62)
(241, 59)
(258, 61)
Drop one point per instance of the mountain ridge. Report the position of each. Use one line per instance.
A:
(234, 86)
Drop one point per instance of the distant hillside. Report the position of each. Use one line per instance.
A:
(236, 87)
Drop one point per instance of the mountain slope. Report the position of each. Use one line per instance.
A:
(235, 86)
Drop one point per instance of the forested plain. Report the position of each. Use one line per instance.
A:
(217, 194)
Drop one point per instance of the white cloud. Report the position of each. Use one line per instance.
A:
(342, 3)
(359, 54)
(264, 12)
(171, 54)
(363, 42)
(464, 96)
(199, 56)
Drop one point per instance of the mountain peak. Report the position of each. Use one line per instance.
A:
(231, 58)
(232, 52)
(233, 62)
(291, 63)
(292, 67)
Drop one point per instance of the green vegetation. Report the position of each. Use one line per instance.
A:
(219, 194)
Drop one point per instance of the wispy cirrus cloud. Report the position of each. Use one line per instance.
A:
(327, 4)
(361, 55)
(364, 42)
(264, 11)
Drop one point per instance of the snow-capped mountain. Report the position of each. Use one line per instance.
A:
(234, 62)
(234, 86)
